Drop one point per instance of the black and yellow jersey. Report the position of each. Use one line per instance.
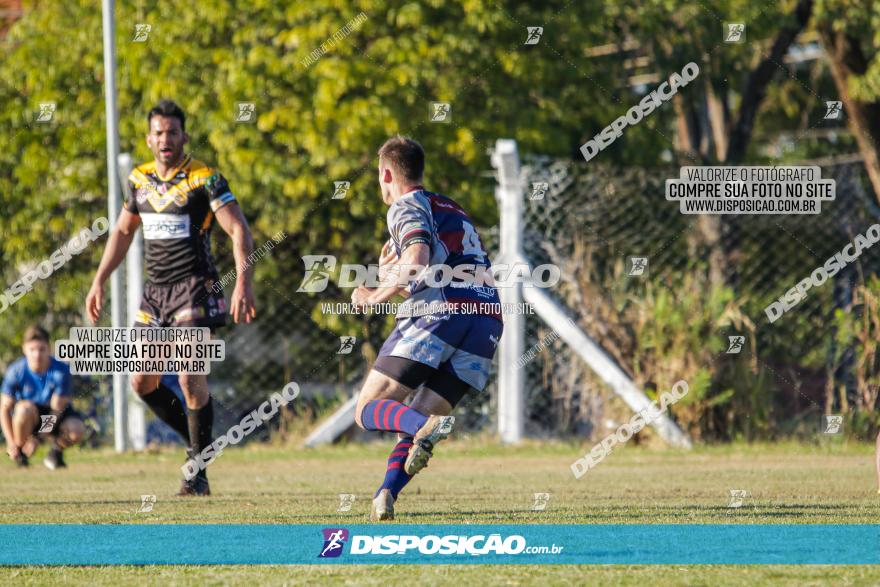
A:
(176, 213)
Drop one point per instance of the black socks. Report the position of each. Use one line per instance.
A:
(195, 426)
(201, 421)
(169, 409)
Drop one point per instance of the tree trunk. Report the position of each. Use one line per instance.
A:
(847, 59)
(756, 84)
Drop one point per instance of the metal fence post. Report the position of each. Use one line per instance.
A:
(511, 379)
(134, 287)
(113, 205)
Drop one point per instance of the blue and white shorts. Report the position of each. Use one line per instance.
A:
(460, 345)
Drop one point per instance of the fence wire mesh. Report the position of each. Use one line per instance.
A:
(706, 278)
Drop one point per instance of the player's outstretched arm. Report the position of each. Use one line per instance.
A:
(58, 403)
(233, 222)
(410, 266)
(117, 246)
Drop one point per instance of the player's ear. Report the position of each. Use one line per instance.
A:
(185, 138)
(386, 176)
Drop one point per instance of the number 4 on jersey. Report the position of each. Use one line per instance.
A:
(470, 242)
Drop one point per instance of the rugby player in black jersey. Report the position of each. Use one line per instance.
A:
(175, 198)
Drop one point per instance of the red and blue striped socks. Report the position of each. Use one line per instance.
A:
(395, 477)
(392, 416)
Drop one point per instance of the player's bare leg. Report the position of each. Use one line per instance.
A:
(24, 419)
(200, 419)
(30, 446)
(877, 459)
(71, 433)
(379, 386)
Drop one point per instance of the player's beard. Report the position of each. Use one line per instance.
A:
(173, 159)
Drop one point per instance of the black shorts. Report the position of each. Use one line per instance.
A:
(413, 374)
(191, 301)
(44, 410)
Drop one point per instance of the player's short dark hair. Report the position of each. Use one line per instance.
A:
(169, 109)
(405, 156)
(35, 332)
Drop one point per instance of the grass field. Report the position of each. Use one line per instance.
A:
(469, 482)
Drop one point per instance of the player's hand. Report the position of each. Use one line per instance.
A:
(388, 272)
(243, 308)
(360, 297)
(388, 254)
(95, 302)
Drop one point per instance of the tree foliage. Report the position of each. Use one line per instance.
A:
(322, 122)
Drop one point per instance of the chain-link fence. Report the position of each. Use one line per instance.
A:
(706, 278)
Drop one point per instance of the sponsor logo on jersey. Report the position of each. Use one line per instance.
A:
(482, 291)
(442, 204)
(161, 196)
(141, 195)
(165, 226)
(431, 318)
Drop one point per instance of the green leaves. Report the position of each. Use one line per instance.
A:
(322, 121)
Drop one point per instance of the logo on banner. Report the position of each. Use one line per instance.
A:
(334, 541)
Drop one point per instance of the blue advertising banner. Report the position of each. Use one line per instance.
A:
(208, 544)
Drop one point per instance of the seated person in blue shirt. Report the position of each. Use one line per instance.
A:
(35, 400)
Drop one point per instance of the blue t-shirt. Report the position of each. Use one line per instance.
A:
(21, 383)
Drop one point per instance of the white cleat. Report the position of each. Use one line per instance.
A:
(435, 429)
(383, 507)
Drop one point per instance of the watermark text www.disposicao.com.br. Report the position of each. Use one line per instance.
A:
(478, 545)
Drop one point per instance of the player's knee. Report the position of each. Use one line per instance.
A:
(24, 410)
(195, 389)
(193, 384)
(143, 385)
(357, 416)
(73, 430)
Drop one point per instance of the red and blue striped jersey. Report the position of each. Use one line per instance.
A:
(438, 221)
